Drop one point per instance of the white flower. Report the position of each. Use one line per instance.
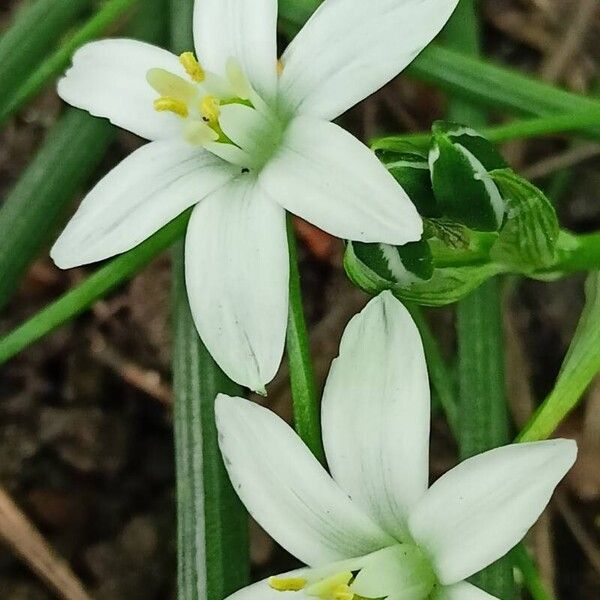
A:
(245, 137)
(373, 529)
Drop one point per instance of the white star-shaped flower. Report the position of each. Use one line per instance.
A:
(245, 137)
(374, 529)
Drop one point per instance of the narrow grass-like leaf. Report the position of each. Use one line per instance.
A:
(212, 524)
(70, 153)
(581, 365)
(33, 35)
(52, 66)
(302, 378)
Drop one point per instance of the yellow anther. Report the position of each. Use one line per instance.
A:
(280, 67)
(199, 133)
(171, 86)
(173, 105)
(209, 109)
(332, 588)
(292, 584)
(192, 67)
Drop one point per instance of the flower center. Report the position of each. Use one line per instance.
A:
(398, 569)
(223, 114)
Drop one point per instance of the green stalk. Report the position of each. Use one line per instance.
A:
(482, 406)
(212, 524)
(33, 34)
(55, 64)
(302, 378)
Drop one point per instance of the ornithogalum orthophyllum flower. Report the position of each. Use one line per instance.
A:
(373, 529)
(244, 137)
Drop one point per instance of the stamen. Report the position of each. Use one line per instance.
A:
(199, 133)
(192, 67)
(237, 79)
(171, 86)
(166, 104)
(293, 584)
(209, 109)
(280, 67)
(333, 588)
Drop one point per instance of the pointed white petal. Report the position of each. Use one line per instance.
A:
(326, 176)
(108, 79)
(138, 197)
(463, 591)
(237, 273)
(376, 414)
(349, 49)
(481, 509)
(286, 489)
(243, 30)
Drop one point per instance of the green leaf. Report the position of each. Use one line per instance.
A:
(462, 186)
(212, 524)
(528, 239)
(410, 168)
(580, 367)
(34, 33)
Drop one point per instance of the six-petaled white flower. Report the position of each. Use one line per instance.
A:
(245, 137)
(373, 529)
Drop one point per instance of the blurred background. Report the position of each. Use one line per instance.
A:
(86, 448)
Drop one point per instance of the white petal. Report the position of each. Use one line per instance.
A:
(326, 176)
(108, 79)
(463, 591)
(138, 197)
(237, 274)
(286, 489)
(349, 49)
(243, 30)
(376, 414)
(481, 509)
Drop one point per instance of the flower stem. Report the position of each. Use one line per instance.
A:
(482, 407)
(302, 378)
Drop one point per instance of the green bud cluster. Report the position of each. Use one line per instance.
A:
(480, 219)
